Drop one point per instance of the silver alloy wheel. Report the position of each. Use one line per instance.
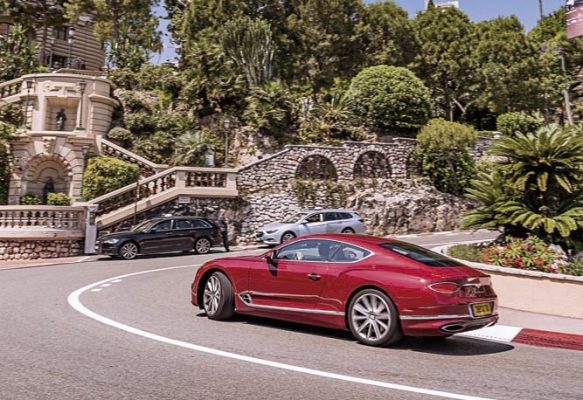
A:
(202, 246)
(128, 251)
(212, 295)
(371, 317)
(287, 236)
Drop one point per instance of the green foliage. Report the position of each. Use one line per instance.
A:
(511, 123)
(531, 254)
(121, 136)
(192, 147)
(4, 173)
(58, 199)
(30, 200)
(270, 109)
(17, 56)
(249, 43)
(536, 187)
(442, 153)
(468, 252)
(157, 147)
(574, 268)
(106, 174)
(389, 98)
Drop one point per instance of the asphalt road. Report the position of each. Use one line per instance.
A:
(141, 339)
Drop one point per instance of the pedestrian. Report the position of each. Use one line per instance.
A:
(222, 222)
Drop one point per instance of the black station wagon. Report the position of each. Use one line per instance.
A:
(162, 235)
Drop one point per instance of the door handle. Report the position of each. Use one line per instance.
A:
(314, 277)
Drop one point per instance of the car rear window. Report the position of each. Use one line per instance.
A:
(424, 256)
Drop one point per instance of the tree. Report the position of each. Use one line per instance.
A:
(510, 124)
(115, 25)
(192, 147)
(442, 153)
(17, 56)
(35, 15)
(507, 66)
(390, 98)
(270, 109)
(445, 61)
(388, 35)
(249, 43)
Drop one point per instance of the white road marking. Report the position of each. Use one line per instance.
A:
(117, 281)
(499, 333)
(96, 290)
(106, 285)
(75, 302)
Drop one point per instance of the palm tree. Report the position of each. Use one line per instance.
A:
(191, 148)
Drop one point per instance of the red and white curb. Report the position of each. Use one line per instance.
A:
(533, 337)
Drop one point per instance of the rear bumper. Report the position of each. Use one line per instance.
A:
(444, 325)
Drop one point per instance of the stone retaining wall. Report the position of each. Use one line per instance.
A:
(31, 250)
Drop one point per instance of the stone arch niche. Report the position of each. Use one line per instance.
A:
(316, 167)
(47, 173)
(372, 164)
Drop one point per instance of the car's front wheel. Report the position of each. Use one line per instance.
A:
(219, 297)
(373, 318)
(128, 251)
(287, 236)
(348, 230)
(202, 246)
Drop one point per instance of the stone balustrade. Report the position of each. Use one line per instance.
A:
(10, 88)
(147, 168)
(54, 217)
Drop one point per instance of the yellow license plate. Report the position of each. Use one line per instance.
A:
(481, 309)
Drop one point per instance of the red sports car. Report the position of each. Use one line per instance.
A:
(379, 289)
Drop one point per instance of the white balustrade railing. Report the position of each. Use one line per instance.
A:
(54, 217)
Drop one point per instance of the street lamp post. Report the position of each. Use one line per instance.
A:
(227, 125)
(70, 36)
(82, 86)
(28, 83)
(568, 110)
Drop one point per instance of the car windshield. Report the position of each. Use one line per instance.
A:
(142, 226)
(294, 218)
(424, 256)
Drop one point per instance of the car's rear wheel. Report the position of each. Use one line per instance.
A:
(219, 297)
(347, 230)
(128, 251)
(373, 318)
(287, 236)
(202, 246)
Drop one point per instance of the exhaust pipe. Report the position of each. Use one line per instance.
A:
(452, 328)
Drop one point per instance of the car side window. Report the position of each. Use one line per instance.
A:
(183, 224)
(345, 216)
(349, 253)
(307, 250)
(314, 218)
(331, 216)
(163, 226)
(199, 223)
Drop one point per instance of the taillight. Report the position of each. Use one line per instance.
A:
(448, 288)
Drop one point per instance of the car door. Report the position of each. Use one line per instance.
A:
(293, 281)
(159, 239)
(185, 233)
(333, 222)
(313, 224)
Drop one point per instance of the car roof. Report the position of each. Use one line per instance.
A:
(311, 210)
(156, 219)
(362, 240)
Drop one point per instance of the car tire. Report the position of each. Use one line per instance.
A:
(218, 297)
(202, 246)
(348, 230)
(287, 236)
(373, 318)
(129, 250)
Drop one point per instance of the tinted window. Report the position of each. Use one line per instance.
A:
(164, 226)
(314, 218)
(200, 223)
(345, 216)
(348, 253)
(184, 224)
(421, 255)
(330, 216)
(307, 250)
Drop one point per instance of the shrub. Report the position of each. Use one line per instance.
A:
(531, 253)
(106, 174)
(442, 155)
(468, 252)
(30, 200)
(574, 268)
(121, 136)
(390, 98)
(58, 199)
(518, 122)
(139, 123)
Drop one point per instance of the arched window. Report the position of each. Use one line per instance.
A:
(372, 164)
(316, 167)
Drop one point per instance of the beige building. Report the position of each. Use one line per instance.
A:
(66, 113)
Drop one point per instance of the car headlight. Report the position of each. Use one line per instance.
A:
(111, 241)
(271, 231)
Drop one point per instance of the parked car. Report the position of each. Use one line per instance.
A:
(379, 289)
(162, 235)
(311, 222)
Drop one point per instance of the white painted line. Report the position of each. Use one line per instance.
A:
(96, 290)
(75, 302)
(117, 281)
(106, 285)
(499, 333)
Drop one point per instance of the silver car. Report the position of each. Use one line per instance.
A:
(311, 222)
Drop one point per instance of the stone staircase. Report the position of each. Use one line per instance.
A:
(147, 167)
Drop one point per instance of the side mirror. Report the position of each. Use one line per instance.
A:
(271, 259)
(304, 222)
